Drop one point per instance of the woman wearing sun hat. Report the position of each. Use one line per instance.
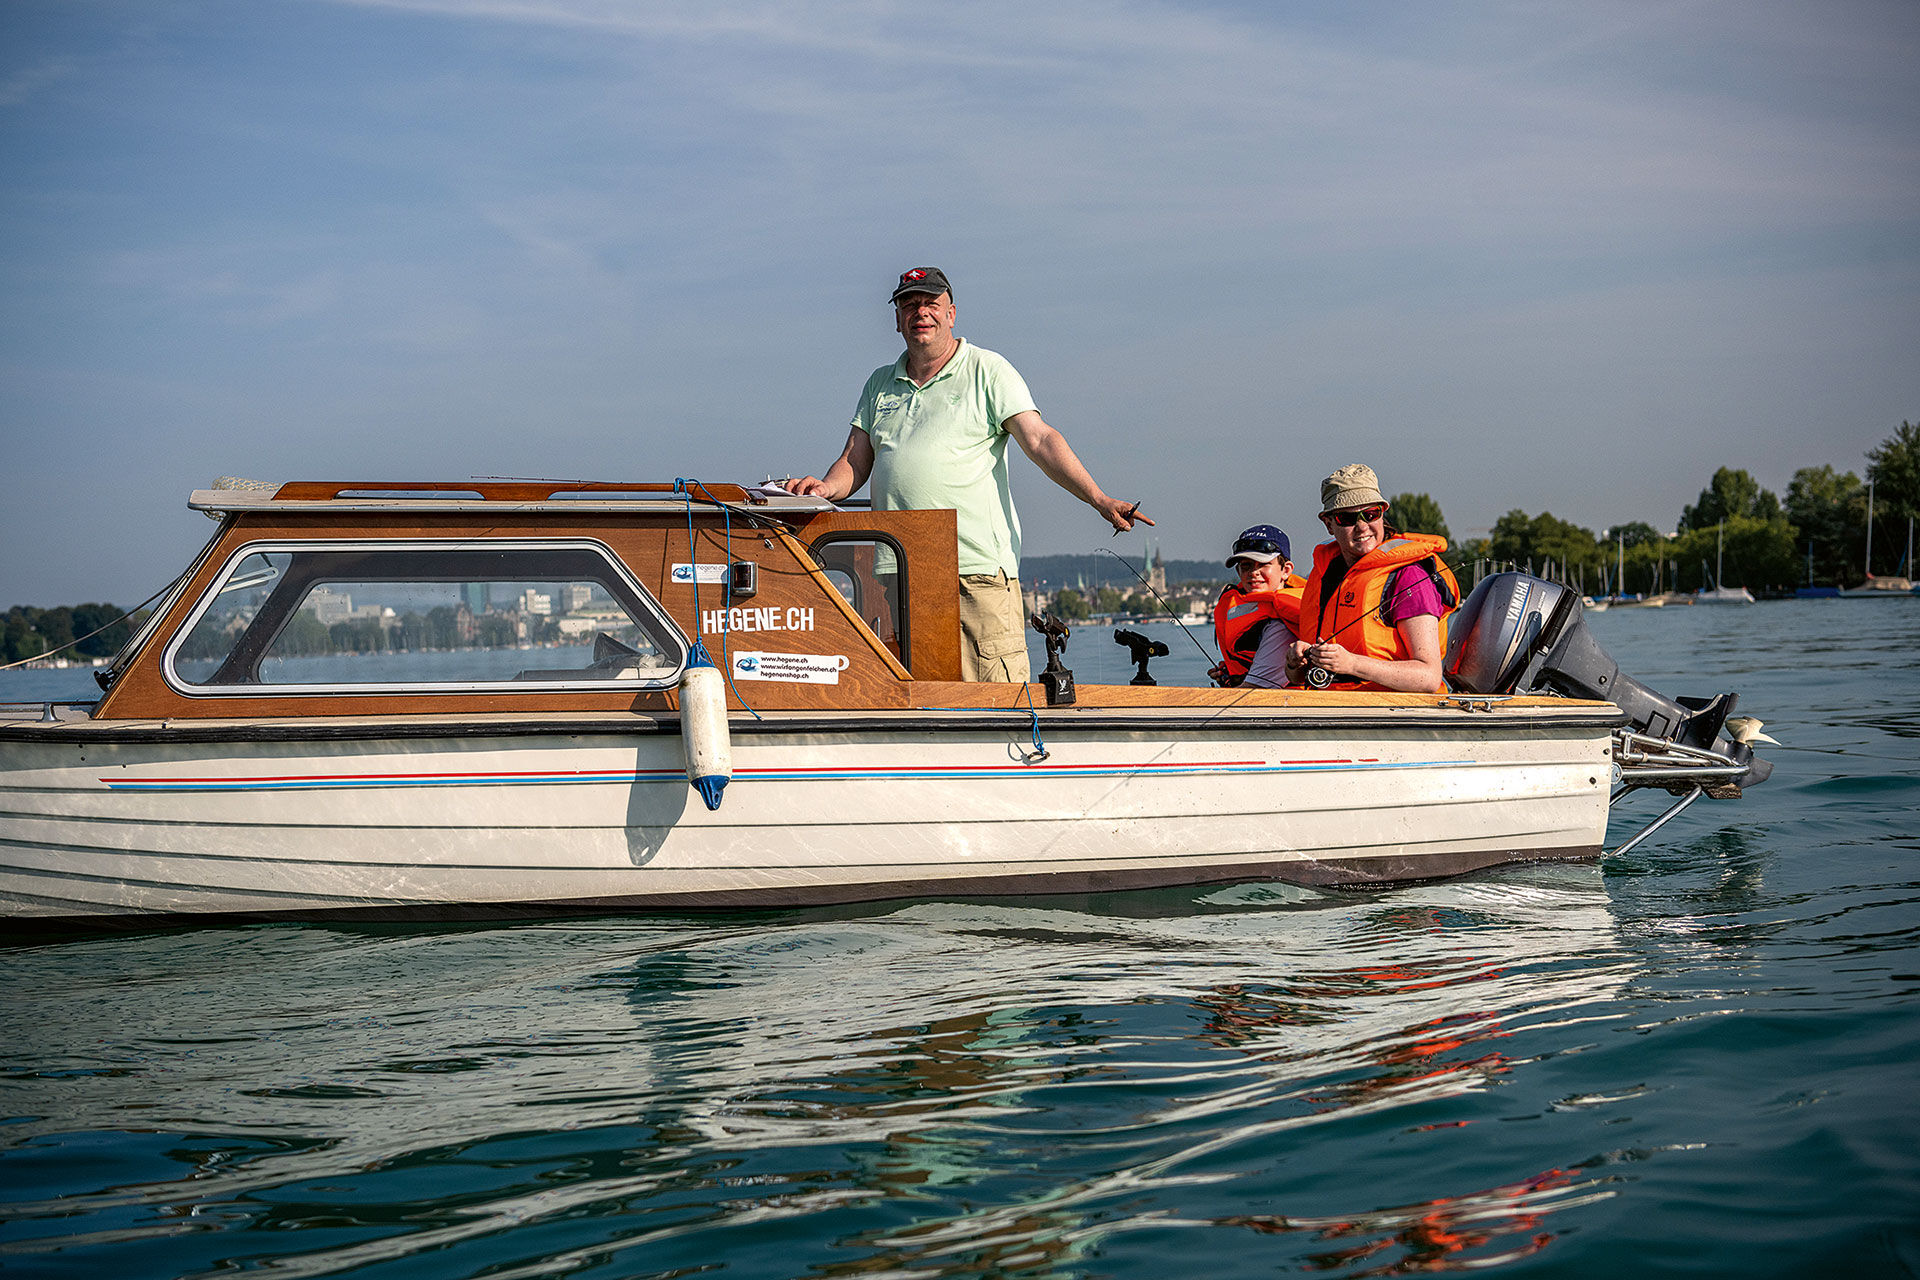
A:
(1373, 614)
(1254, 618)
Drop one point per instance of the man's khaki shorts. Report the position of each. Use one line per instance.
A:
(993, 630)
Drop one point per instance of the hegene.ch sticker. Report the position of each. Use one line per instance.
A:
(701, 573)
(790, 668)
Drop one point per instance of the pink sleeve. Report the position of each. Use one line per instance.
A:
(1414, 594)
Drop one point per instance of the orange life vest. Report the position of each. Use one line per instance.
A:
(1352, 615)
(1240, 616)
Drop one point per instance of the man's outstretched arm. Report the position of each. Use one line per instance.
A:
(1054, 456)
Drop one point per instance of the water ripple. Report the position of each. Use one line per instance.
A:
(1704, 1051)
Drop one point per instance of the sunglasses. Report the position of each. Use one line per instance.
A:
(1260, 546)
(1348, 519)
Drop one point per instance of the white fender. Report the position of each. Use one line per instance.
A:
(703, 727)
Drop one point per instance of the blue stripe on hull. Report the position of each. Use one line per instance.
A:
(936, 773)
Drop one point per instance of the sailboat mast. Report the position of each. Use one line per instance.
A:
(1869, 562)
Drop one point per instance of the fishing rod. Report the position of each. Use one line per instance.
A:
(1211, 658)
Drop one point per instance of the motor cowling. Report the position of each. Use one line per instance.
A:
(1520, 634)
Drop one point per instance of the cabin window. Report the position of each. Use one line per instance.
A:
(870, 570)
(423, 617)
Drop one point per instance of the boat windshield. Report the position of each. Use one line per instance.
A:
(424, 616)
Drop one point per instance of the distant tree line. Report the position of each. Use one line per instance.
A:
(32, 633)
(1817, 534)
(1077, 606)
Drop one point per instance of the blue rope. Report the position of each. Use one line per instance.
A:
(683, 487)
(1040, 751)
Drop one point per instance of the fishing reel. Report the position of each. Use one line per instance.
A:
(1140, 649)
(1318, 678)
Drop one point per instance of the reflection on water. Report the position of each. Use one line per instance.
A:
(1496, 1225)
(993, 1086)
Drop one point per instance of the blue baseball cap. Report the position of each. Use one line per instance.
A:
(1262, 544)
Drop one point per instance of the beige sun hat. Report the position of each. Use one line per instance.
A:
(1353, 485)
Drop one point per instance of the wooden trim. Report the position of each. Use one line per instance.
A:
(930, 693)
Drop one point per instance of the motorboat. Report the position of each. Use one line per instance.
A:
(491, 699)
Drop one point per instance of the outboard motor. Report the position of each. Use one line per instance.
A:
(1521, 634)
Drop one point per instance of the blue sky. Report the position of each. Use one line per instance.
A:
(1555, 256)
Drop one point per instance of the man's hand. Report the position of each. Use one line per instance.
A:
(848, 472)
(1121, 515)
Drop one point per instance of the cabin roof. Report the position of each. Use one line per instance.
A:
(497, 497)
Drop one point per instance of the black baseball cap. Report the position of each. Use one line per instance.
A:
(921, 280)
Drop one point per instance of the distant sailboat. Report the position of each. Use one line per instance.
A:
(1598, 604)
(1720, 592)
(1656, 598)
(1888, 587)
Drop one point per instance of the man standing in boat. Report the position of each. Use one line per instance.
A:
(931, 430)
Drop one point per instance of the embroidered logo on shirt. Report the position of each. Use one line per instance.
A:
(889, 402)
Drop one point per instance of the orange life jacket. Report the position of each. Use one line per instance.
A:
(1352, 615)
(1240, 616)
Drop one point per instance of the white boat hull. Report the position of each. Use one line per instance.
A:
(1880, 588)
(462, 824)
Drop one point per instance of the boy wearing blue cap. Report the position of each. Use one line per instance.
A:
(1255, 618)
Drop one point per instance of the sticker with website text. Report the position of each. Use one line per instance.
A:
(791, 668)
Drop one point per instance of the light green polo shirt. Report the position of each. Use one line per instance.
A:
(942, 445)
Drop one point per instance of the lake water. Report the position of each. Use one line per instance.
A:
(1696, 1058)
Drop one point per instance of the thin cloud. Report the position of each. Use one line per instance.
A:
(18, 86)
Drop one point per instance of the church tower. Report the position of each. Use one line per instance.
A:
(1157, 572)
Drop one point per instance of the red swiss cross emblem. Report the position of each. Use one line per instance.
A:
(915, 274)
